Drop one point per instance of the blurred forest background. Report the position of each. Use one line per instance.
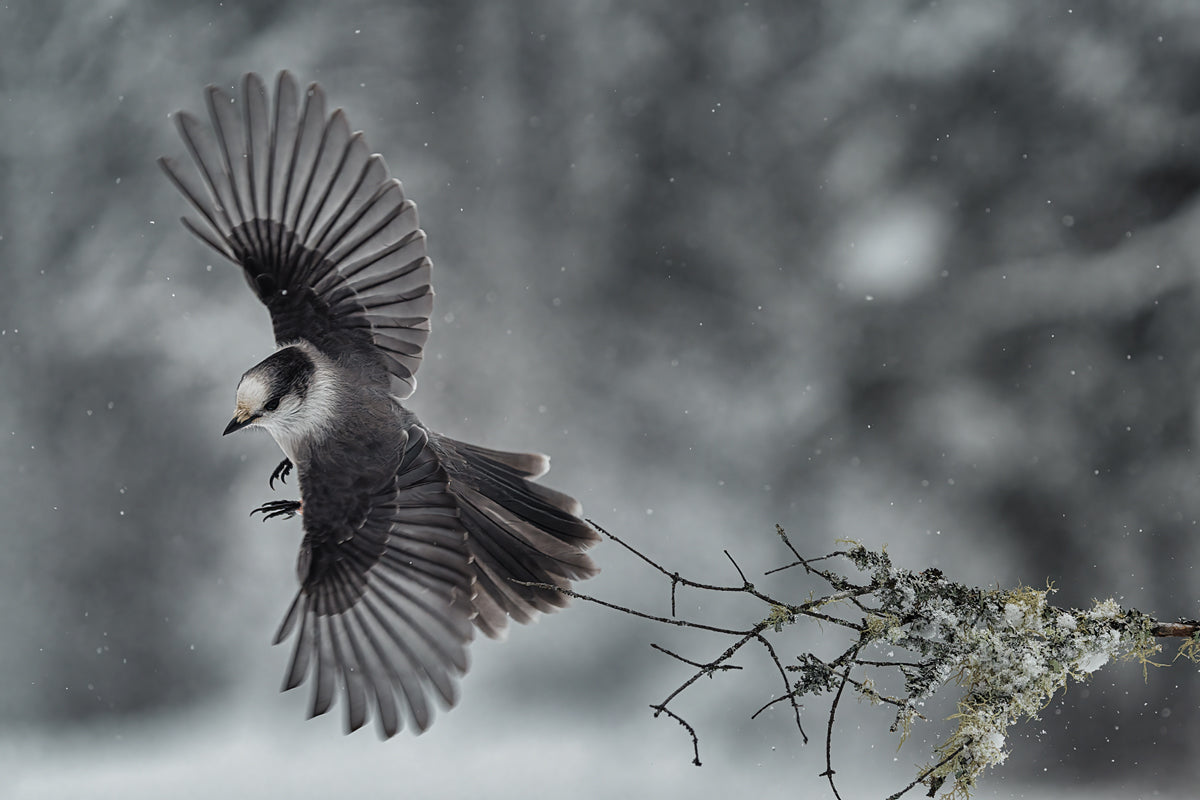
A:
(913, 273)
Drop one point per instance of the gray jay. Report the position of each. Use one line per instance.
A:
(411, 539)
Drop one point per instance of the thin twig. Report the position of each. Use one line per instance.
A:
(788, 544)
(829, 771)
(695, 741)
(710, 666)
(772, 702)
(675, 577)
(742, 575)
(680, 623)
(900, 664)
(926, 774)
(805, 562)
(791, 696)
(707, 668)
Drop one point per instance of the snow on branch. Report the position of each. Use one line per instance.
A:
(1005, 652)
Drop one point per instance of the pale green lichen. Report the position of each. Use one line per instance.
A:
(883, 626)
(1013, 663)
(780, 616)
(1190, 649)
(1011, 651)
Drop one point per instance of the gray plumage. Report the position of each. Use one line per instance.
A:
(411, 539)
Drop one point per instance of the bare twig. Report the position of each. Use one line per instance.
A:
(679, 623)
(676, 578)
(705, 669)
(710, 667)
(742, 575)
(925, 774)
(829, 771)
(662, 709)
(791, 696)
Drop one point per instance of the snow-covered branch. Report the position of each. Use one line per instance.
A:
(1004, 652)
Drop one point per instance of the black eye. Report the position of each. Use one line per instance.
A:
(272, 404)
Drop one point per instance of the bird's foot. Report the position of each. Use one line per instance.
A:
(281, 472)
(279, 508)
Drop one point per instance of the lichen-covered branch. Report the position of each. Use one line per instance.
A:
(1005, 652)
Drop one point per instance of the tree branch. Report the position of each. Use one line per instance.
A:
(1006, 652)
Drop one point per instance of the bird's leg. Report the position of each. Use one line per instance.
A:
(279, 508)
(281, 472)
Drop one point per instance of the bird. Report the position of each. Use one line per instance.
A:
(412, 541)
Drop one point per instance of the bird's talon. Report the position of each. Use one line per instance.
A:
(281, 472)
(278, 508)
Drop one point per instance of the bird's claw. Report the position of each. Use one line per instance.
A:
(281, 472)
(278, 508)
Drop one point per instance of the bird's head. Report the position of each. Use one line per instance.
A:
(274, 394)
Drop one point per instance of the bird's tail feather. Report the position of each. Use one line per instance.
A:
(518, 532)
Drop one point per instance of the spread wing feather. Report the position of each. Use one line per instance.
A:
(325, 236)
(384, 605)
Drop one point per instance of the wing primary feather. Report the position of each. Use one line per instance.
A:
(290, 618)
(192, 132)
(370, 673)
(189, 193)
(356, 695)
(355, 143)
(362, 271)
(326, 683)
(336, 253)
(274, 233)
(302, 653)
(334, 130)
(339, 252)
(342, 662)
(289, 117)
(310, 127)
(254, 94)
(316, 249)
(406, 679)
(381, 687)
(348, 654)
(441, 618)
(219, 114)
(200, 233)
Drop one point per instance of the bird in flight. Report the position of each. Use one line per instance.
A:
(412, 540)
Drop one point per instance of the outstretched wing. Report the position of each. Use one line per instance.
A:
(384, 608)
(326, 237)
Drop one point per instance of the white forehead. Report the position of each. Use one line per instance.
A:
(253, 391)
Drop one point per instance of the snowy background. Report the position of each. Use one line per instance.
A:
(913, 273)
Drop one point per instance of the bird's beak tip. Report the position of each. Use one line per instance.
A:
(235, 425)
